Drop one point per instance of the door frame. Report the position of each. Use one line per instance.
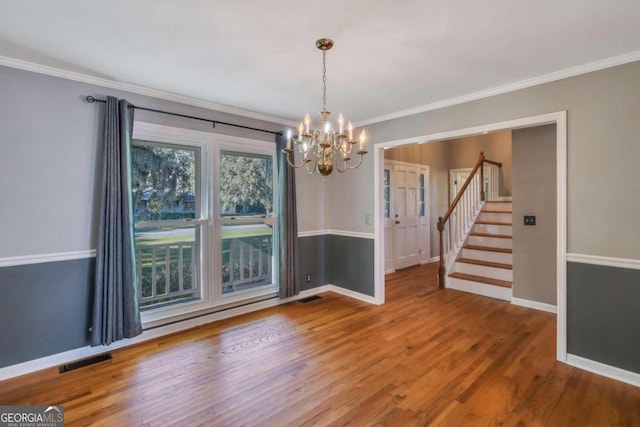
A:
(558, 118)
(427, 199)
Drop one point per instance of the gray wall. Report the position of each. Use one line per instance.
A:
(337, 260)
(534, 193)
(49, 151)
(45, 309)
(602, 132)
(603, 315)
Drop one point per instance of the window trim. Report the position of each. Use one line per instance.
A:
(210, 145)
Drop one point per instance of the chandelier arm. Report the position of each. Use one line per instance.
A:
(288, 158)
(358, 164)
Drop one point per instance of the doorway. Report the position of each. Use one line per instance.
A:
(406, 214)
(560, 120)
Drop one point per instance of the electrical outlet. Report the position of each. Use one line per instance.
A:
(308, 278)
(529, 220)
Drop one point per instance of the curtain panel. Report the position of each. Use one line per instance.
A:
(287, 225)
(115, 310)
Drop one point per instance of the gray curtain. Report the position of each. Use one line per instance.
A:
(115, 308)
(287, 225)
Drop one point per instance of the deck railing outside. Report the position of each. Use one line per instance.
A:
(166, 271)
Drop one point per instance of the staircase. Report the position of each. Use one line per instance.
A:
(484, 265)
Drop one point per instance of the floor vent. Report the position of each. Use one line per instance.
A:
(309, 299)
(85, 362)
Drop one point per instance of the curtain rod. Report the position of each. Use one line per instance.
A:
(90, 99)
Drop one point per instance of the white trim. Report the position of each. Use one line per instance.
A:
(42, 258)
(522, 84)
(633, 264)
(352, 294)
(357, 234)
(560, 119)
(608, 371)
(140, 90)
(534, 304)
(430, 260)
(312, 233)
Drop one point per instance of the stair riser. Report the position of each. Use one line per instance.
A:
(495, 217)
(480, 288)
(501, 257)
(484, 271)
(492, 206)
(493, 229)
(492, 242)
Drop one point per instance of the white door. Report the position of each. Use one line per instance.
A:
(406, 185)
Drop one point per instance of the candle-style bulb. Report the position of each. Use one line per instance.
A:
(288, 139)
(363, 137)
(341, 123)
(300, 130)
(307, 121)
(350, 127)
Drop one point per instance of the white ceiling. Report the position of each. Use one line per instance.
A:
(259, 55)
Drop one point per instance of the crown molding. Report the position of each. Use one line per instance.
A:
(139, 90)
(474, 96)
(511, 87)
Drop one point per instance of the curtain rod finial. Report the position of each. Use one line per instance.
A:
(90, 99)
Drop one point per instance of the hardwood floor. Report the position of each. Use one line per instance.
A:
(426, 357)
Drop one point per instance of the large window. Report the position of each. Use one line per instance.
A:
(204, 210)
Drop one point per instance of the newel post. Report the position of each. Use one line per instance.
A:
(481, 161)
(441, 269)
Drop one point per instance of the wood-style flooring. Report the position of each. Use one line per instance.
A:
(426, 357)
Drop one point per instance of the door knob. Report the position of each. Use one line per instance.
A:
(397, 222)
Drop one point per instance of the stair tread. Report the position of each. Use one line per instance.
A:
(487, 263)
(487, 248)
(494, 211)
(486, 280)
(501, 236)
(493, 223)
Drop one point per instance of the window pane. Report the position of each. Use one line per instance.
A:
(246, 184)
(167, 262)
(164, 182)
(246, 204)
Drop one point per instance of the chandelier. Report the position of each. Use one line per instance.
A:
(325, 147)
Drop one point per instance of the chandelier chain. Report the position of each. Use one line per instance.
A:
(324, 80)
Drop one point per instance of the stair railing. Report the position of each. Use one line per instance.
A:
(463, 209)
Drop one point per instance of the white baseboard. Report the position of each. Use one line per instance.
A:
(430, 260)
(88, 351)
(534, 304)
(608, 371)
(352, 294)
